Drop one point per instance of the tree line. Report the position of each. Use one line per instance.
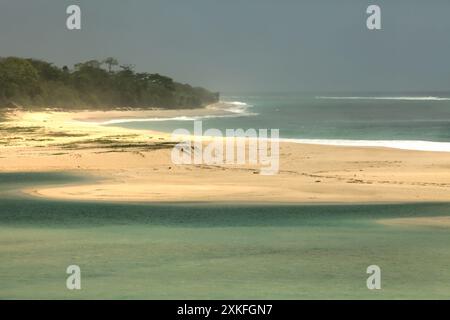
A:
(93, 84)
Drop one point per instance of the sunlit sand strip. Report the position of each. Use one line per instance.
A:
(136, 165)
(438, 222)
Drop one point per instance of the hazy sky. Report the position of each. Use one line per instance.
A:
(246, 45)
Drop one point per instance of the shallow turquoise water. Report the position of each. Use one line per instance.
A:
(213, 251)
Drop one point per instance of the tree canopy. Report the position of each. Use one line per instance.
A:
(93, 84)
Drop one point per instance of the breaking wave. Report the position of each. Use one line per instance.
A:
(430, 98)
(231, 109)
(417, 145)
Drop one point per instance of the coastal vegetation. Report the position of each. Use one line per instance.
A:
(93, 84)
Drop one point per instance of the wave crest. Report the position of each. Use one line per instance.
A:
(430, 98)
(236, 107)
(231, 109)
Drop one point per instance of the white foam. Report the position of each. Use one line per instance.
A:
(237, 103)
(125, 120)
(430, 98)
(180, 118)
(235, 109)
(416, 145)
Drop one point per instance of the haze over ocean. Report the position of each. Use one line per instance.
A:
(256, 45)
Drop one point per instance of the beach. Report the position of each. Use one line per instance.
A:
(218, 151)
(135, 165)
(110, 200)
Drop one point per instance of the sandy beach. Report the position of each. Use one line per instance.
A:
(135, 165)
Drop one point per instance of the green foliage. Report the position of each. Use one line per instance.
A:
(33, 82)
(18, 78)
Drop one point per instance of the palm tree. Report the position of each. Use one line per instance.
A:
(110, 62)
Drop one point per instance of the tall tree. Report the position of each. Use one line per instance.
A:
(111, 62)
(18, 78)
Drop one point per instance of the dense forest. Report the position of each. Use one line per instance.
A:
(92, 84)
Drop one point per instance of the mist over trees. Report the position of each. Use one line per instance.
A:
(93, 84)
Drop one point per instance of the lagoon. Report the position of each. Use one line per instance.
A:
(215, 251)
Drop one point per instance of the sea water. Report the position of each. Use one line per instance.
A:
(417, 122)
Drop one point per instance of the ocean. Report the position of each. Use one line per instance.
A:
(420, 122)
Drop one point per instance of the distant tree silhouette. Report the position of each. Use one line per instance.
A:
(111, 62)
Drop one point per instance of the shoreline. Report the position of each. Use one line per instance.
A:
(412, 145)
(33, 193)
(135, 166)
(219, 109)
(222, 109)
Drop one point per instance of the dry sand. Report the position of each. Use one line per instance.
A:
(135, 165)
